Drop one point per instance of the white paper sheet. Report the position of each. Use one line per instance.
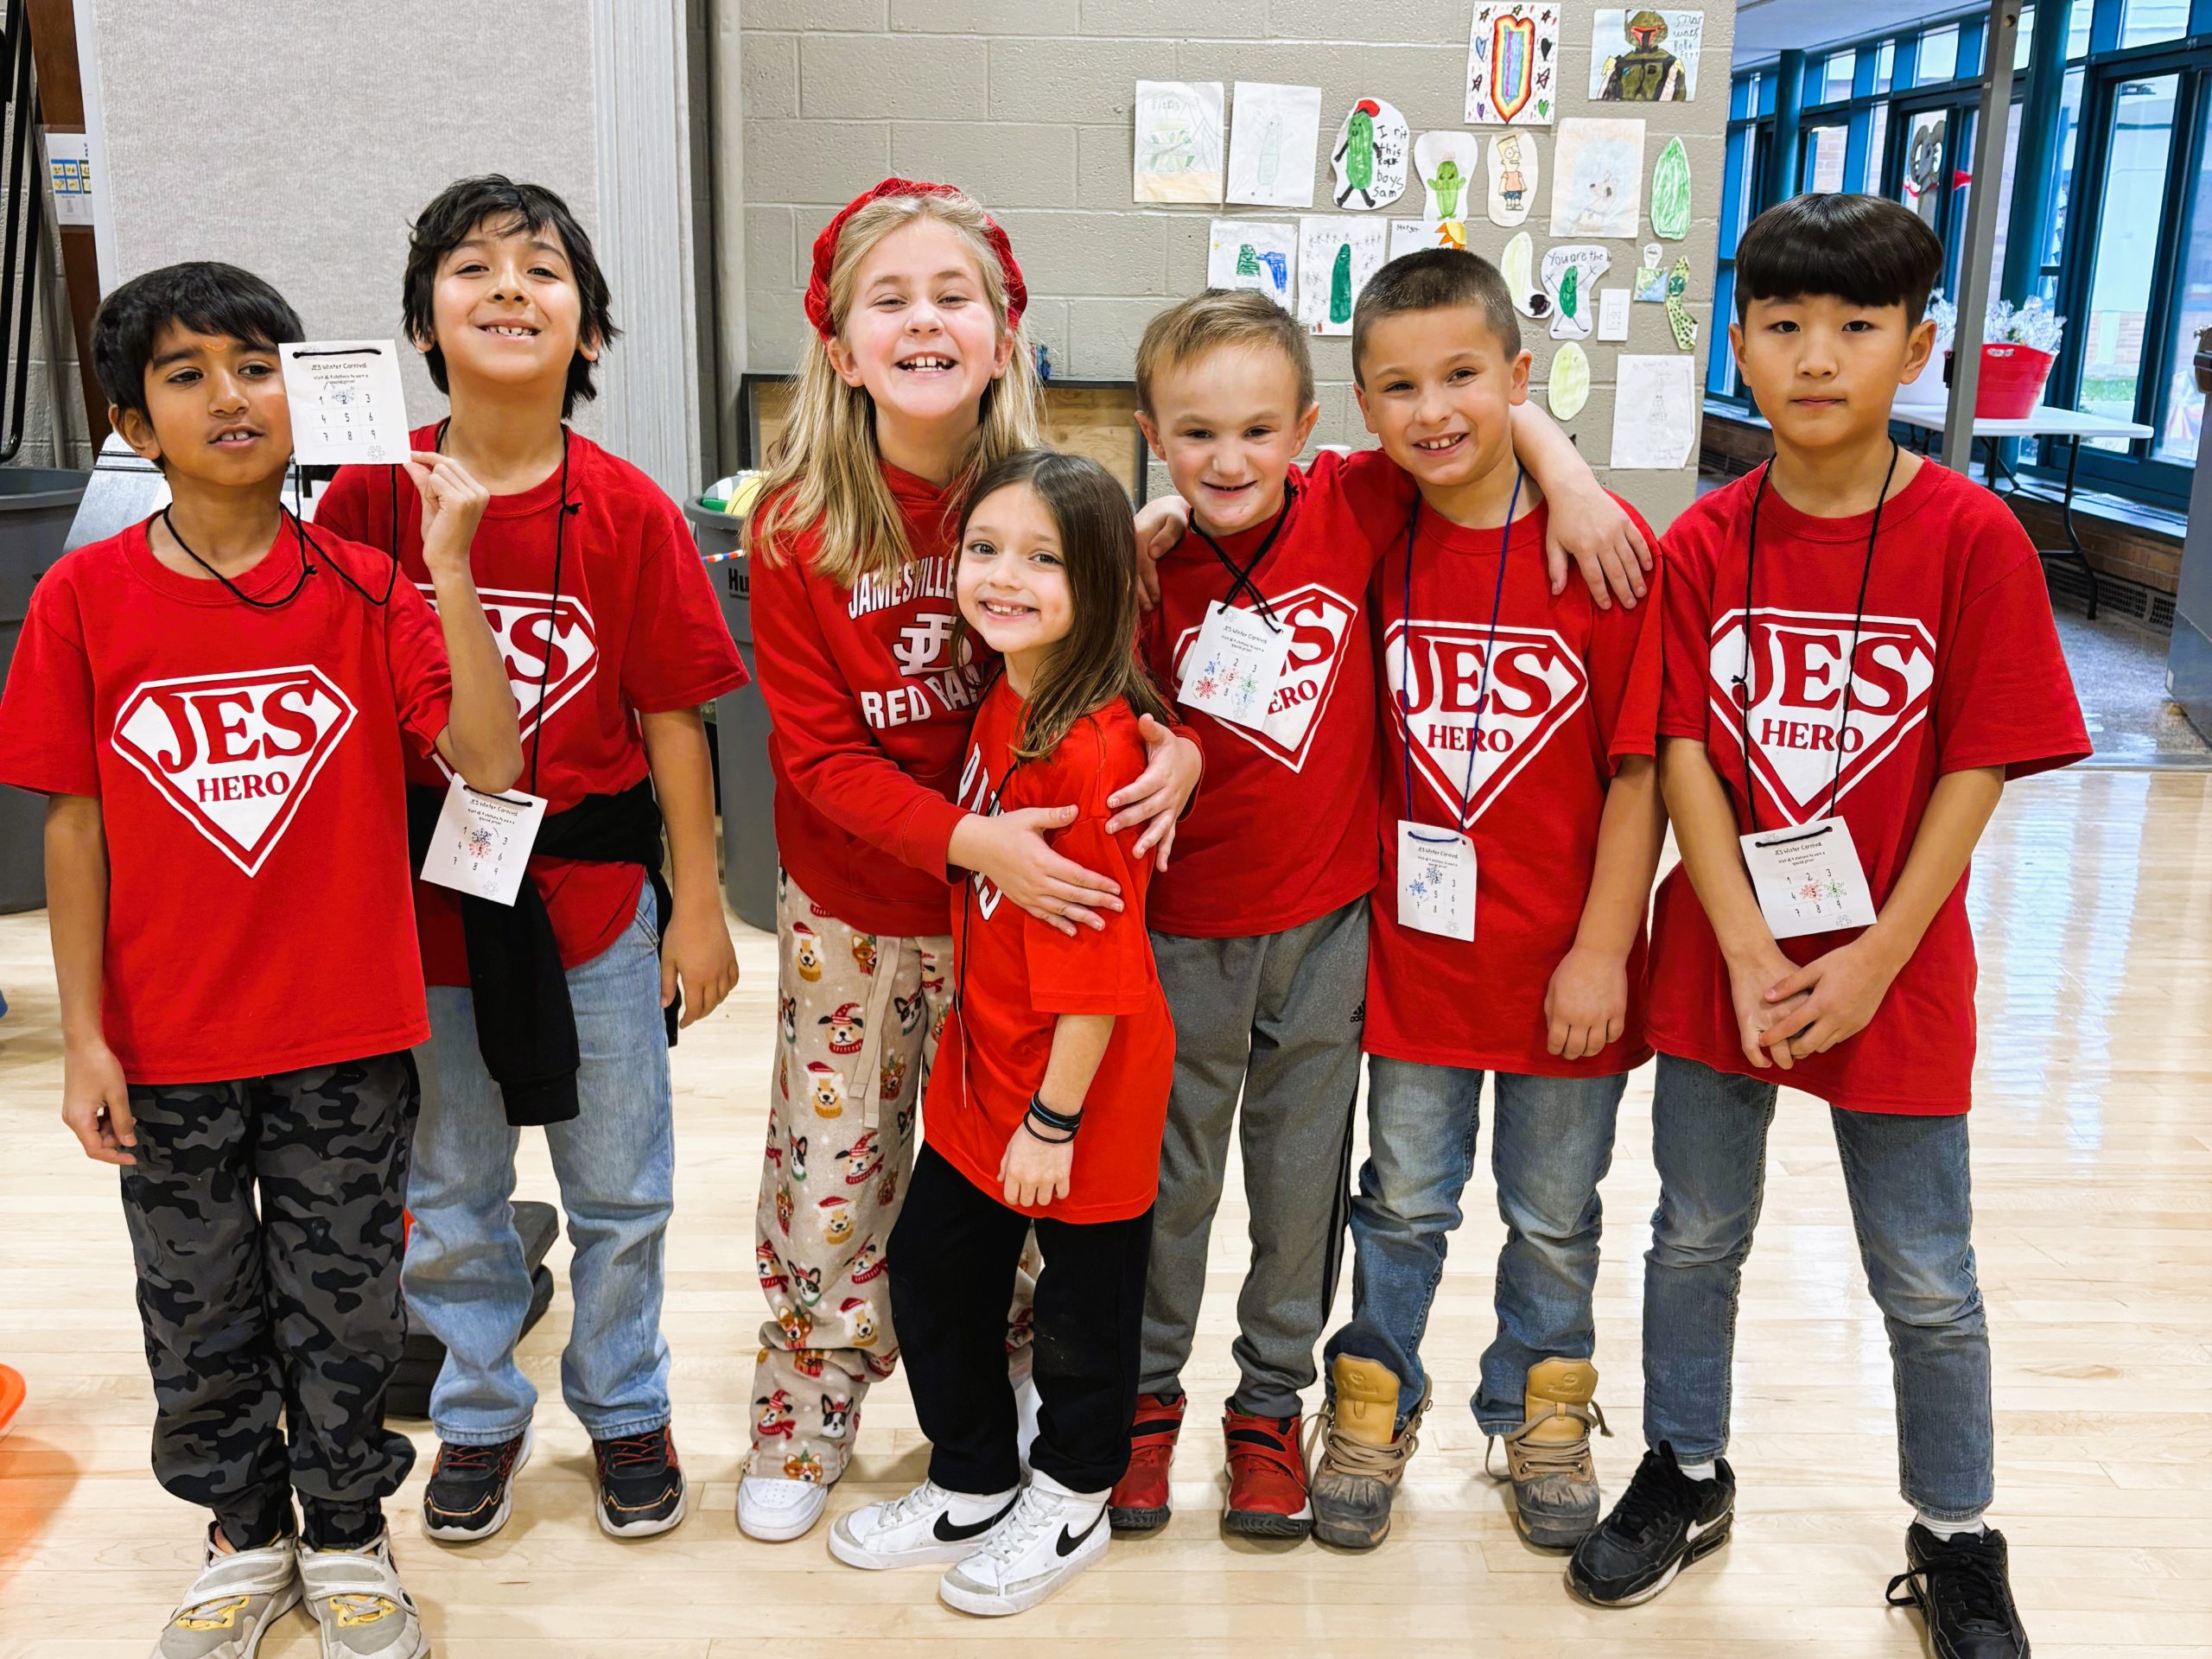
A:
(1337, 255)
(1514, 174)
(1598, 178)
(1446, 164)
(1179, 135)
(347, 404)
(1513, 65)
(1412, 235)
(1632, 62)
(1570, 274)
(1654, 413)
(1370, 157)
(1274, 131)
(1254, 253)
(1613, 314)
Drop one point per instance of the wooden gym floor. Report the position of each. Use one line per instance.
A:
(2093, 899)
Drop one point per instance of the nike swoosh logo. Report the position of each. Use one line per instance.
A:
(1067, 1543)
(947, 1533)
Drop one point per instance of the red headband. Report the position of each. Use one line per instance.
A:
(825, 250)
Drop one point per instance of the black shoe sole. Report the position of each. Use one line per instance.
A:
(1138, 1520)
(1697, 1552)
(1260, 1523)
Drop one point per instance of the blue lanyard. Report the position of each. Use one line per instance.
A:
(1482, 686)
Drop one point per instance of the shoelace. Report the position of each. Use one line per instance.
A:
(1974, 1576)
(632, 1451)
(1342, 1455)
(1548, 1457)
(467, 1460)
(1034, 1516)
(1658, 1491)
(915, 1505)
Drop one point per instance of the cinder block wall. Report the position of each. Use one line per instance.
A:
(1028, 104)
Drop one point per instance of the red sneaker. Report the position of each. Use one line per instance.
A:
(1140, 1500)
(1267, 1476)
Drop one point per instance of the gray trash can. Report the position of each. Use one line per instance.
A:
(740, 733)
(36, 505)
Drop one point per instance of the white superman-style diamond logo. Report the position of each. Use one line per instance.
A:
(1435, 671)
(557, 650)
(1799, 665)
(1319, 619)
(236, 754)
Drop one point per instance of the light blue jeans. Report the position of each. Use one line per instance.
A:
(1550, 1147)
(615, 1162)
(1912, 1207)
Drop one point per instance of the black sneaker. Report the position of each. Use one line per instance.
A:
(1663, 1522)
(1964, 1593)
(640, 1484)
(471, 1489)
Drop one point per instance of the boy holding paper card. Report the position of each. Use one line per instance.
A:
(549, 1008)
(216, 703)
(1859, 654)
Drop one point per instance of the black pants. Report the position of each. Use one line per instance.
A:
(952, 1260)
(287, 1310)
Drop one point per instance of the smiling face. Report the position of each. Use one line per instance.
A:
(1437, 389)
(1013, 580)
(920, 335)
(1228, 424)
(1825, 369)
(216, 411)
(507, 309)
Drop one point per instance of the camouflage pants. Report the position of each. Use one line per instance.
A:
(290, 1309)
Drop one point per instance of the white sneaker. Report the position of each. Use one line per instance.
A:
(927, 1524)
(232, 1603)
(356, 1598)
(1052, 1536)
(776, 1510)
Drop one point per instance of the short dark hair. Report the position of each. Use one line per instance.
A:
(1430, 279)
(200, 295)
(1215, 318)
(493, 200)
(1866, 250)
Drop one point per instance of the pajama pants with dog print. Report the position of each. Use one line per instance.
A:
(858, 1018)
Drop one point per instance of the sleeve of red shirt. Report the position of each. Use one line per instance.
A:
(47, 738)
(1380, 493)
(1627, 665)
(1109, 972)
(829, 753)
(415, 655)
(2005, 698)
(679, 654)
(1686, 608)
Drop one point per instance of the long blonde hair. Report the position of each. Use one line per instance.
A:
(824, 472)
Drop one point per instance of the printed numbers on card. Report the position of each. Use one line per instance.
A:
(1808, 879)
(482, 843)
(1234, 668)
(1436, 880)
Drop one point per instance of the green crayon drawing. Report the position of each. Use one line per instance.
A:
(1248, 261)
(1340, 286)
(1670, 192)
(1447, 184)
(1569, 286)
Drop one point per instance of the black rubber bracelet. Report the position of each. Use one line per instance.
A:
(1053, 1119)
(1030, 1124)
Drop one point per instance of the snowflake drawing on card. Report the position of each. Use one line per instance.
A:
(1419, 886)
(479, 842)
(1812, 890)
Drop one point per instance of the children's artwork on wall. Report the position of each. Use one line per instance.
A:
(1570, 275)
(1654, 413)
(1517, 266)
(1274, 131)
(1570, 382)
(1923, 167)
(1178, 141)
(1446, 163)
(1370, 157)
(1412, 235)
(1612, 315)
(1596, 178)
(1679, 318)
(1253, 253)
(1513, 173)
(1513, 65)
(1645, 56)
(1337, 255)
(1649, 282)
(1670, 191)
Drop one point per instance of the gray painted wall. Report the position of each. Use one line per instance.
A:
(1028, 104)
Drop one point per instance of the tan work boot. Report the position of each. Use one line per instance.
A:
(1554, 1481)
(1362, 1460)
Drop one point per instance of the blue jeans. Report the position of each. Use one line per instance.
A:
(615, 1162)
(1550, 1147)
(1911, 1205)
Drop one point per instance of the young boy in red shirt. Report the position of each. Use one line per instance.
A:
(1259, 925)
(550, 1011)
(216, 703)
(1859, 654)
(1521, 828)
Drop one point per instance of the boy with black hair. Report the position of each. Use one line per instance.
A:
(1520, 829)
(1859, 654)
(216, 703)
(559, 1010)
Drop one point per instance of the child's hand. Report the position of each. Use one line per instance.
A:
(1749, 980)
(1034, 1173)
(1173, 767)
(697, 950)
(1592, 530)
(1585, 1005)
(1833, 997)
(1160, 524)
(452, 503)
(1010, 849)
(96, 1103)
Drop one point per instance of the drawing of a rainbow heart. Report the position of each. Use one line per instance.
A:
(1512, 65)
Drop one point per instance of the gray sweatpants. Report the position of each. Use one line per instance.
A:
(1275, 1018)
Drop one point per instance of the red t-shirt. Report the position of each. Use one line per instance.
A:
(248, 765)
(638, 631)
(1283, 831)
(1015, 976)
(1958, 667)
(1573, 690)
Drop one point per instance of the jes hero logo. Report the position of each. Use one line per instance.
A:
(1535, 686)
(1798, 671)
(235, 752)
(561, 648)
(1318, 620)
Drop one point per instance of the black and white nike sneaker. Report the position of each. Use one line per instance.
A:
(1663, 1523)
(1051, 1534)
(929, 1525)
(1963, 1587)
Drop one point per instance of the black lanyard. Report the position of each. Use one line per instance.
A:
(1850, 663)
(301, 535)
(1482, 686)
(1244, 582)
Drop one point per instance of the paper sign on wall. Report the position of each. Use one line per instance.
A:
(1446, 163)
(1651, 280)
(1513, 65)
(1370, 158)
(1274, 131)
(1517, 264)
(1570, 381)
(1645, 56)
(1654, 413)
(69, 177)
(1598, 178)
(1253, 253)
(1412, 235)
(1337, 256)
(1513, 173)
(1178, 141)
(1670, 191)
(1570, 277)
(346, 401)
(1613, 314)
